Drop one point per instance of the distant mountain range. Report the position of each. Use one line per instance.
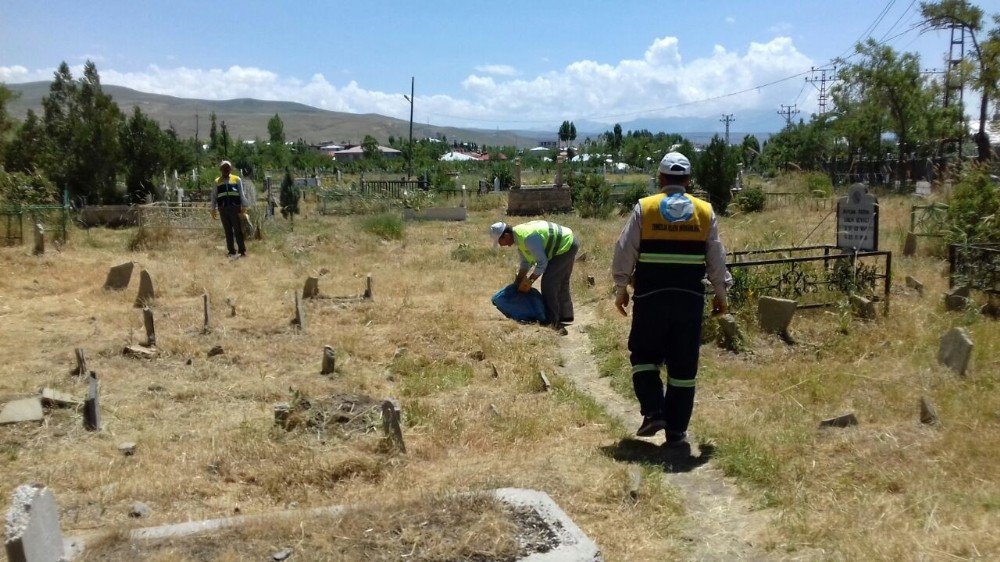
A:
(247, 119)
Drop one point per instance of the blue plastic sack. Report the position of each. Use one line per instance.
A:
(523, 307)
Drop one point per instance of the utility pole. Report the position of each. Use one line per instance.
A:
(727, 118)
(953, 86)
(788, 111)
(823, 92)
(409, 153)
(196, 126)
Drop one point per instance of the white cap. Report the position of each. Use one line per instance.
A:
(496, 231)
(226, 163)
(675, 164)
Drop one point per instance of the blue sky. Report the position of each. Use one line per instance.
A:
(507, 65)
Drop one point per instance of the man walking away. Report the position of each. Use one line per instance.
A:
(229, 201)
(670, 242)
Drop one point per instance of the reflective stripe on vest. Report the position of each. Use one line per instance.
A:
(229, 188)
(683, 259)
(556, 239)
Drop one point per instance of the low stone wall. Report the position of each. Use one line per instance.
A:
(109, 215)
(539, 201)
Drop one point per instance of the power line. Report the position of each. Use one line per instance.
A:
(787, 111)
(823, 94)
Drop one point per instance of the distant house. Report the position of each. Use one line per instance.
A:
(353, 153)
(456, 156)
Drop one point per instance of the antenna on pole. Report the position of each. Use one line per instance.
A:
(822, 79)
(788, 111)
(727, 118)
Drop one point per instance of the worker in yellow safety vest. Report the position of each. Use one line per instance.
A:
(548, 250)
(668, 246)
(229, 200)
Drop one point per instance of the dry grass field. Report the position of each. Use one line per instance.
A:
(207, 445)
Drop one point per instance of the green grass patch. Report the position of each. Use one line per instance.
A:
(388, 226)
(746, 458)
(610, 349)
(423, 378)
(474, 254)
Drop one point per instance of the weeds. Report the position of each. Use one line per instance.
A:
(388, 226)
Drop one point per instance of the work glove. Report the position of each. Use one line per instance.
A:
(525, 285)
(719, 306)
(621, 299)
(215, 214)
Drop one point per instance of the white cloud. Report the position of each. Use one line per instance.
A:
(659, 84)
(730, 20)
(497, 69)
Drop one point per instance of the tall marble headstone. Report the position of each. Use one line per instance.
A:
(857, 220)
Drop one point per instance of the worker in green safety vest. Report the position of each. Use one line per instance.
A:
(548, 250)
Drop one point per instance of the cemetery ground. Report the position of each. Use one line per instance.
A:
(474, 411)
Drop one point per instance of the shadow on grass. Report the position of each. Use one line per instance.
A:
(672, 459)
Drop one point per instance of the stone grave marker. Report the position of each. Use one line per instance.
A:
(119, 277)
(957, 298)
(146, 294)
(546, 385)
(32, 529)
(845, 420)
(391, 424)
(81, 363)
(857, 220)
(311, 289)
(300, 315)
(928, 414)
(329, 360)
(147, 322)
(912, 283)
(730, 337)
(910, 246)
(775, 314)
(52, 398)
(91, 406)
(956, 350)
(39, 240)
(206, 303)
(368, 287)
(923, 188)
(864, 308)
(23, 410)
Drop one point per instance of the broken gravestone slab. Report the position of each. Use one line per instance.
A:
(23, 410)
(32, 530)
(146, 294)
(912, 283)
(862, 307)
(956, 350)
(928, 414)
(329, 360)
(957, 298)
(299, 321)
(775, 314)
(730, 337)
(845, 420)
(311, 288)
(39, 240)
(91, 406)
(119, 276)
(391, 424)
(54, 399)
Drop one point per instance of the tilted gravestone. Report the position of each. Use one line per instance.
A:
(775, 314)
(91, 407)
(391, 424)
(39, 240)
(956, 350)
(730, 337)
(300, 315)
(912, 283)
(147, 321)
(857, 220)
(329, 360)
(368, 288)
(146, 294)
(206, 303)
(928, 414)
(864, 308)
(311, 289)
(957, 298)
(32, 529)
(119, 277)
(910, 246)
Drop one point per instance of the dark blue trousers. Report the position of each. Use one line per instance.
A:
(666, 330)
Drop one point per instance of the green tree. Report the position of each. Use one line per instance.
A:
(369, 146)
(224, 140)
(616, 139)
(6, 122)
(945, 14)
(572, 132)
(82, 125)
(289, 196)
(564, 132)
(29, 147)
(716, 173)
(213, 134)
(144, 152)
(749, 151)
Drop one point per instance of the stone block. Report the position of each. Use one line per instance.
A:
(146, 293)
(329, 361)
(23, 410)
(912, 283)
(391, 424)
(311, 288)
(32, 530)
(91, 406)
(956, 350)
(730, 337)
(119, 277)
(862, 307)
(54, 399)
(775, 314)
(928, 414)
(39, 240)
(957, 298)
(845, 420)
(910, 245)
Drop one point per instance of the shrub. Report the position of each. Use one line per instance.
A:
(26, 189)
(632, 195)
(974, 209)
(388, 226)
(715, 172)
(289, 195)
(751, 200)
(592, 197)
(818, 184)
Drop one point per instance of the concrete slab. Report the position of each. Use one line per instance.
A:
(23, 410)
(956, 350)
(775, 314)
(32, 529)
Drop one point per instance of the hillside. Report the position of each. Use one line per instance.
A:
(247, 118)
